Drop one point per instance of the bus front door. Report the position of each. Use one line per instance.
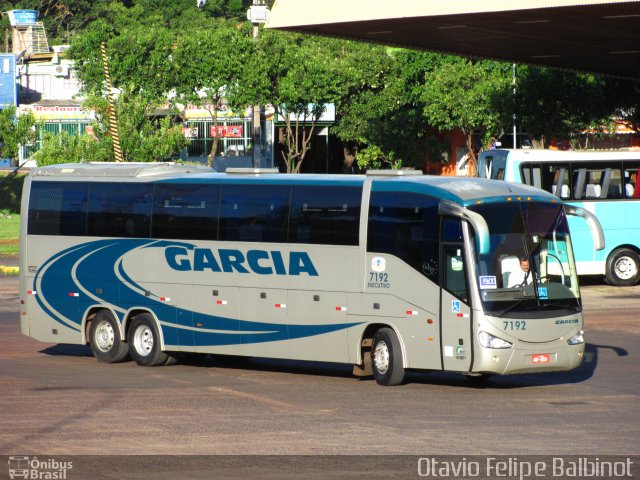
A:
(455, 311)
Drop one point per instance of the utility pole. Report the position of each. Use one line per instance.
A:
(113, 122)
(515, 143)
(258, 13)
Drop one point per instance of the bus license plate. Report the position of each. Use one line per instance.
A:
(540, 358)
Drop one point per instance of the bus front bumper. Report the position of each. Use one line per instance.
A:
(556, 356)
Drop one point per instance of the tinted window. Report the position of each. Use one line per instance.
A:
(555, 179)
(406, 225)
(328, 215)
(254, 213)
(595, 181)
(58, 208)
(631, 184)
(119, 210)
(188, 212)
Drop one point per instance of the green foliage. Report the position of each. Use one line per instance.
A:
(10, 192)
(169, 51)
(299, 75)
(142, 137)
(14, 131)
(9, 237)
(64, 19)
(461, 94)
(556, 103)
(207, 67)
(624, 94)
(65, 148)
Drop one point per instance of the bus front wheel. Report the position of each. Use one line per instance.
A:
(104, 338)
(144, 342)
(623, 268)
(386, 358)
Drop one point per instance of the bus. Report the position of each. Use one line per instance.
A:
(388, 271)
(603, 182)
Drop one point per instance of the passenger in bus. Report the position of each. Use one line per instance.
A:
(630, 186)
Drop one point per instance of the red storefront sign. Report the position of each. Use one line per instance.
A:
(228, 131)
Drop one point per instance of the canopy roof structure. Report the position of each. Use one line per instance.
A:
(600, 36)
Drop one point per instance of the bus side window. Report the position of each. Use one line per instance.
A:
(631, 185)
(555, 180)
(120, 210)
(327, 215)
(58, 208)
(592, 181)
(615, 184)
(405, 225)
(454, 276)
(254, 213)
(186, 211)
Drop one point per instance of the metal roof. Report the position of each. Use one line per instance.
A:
(600, 36)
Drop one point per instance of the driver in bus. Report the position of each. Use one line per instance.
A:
(525, 278)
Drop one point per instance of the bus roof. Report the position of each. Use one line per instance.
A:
(465, 191)
(564, 155)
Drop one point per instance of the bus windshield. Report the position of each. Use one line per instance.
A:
(529, 268)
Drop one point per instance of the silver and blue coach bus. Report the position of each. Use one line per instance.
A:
(605, 182)
(386, 271)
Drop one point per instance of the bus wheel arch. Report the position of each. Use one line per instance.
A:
(623, 266)
(383, 354)
(144, 336)
(102, 329)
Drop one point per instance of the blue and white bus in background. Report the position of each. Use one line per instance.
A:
(606, 183)
(387, 271)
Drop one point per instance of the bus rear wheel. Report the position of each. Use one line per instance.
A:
(144, 342)
(386, 358)
(623, 268)
(104, 338)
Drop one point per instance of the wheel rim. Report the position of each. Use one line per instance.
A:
(381, 357)
(625, 268)
(143, 340)
(104, 336)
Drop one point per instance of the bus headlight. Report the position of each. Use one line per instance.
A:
(489, 341)
(577, 339)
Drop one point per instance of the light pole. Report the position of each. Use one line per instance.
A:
(258, 13)
(515, 142)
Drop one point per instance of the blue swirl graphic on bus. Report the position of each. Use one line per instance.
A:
(93, 273)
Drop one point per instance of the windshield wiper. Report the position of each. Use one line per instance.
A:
(514, 305)
(574, 308)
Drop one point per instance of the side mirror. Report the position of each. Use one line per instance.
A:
(592, 222)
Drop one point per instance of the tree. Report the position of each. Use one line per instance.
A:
(460, 94)
(624, 95)
(14, 131)
(207, 69)
(557, 103)
(142, 137)
(298, 75)
(379, 115)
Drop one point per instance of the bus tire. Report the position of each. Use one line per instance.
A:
(104, 338)
(144, 342)
(386, 358)
(623, 268)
